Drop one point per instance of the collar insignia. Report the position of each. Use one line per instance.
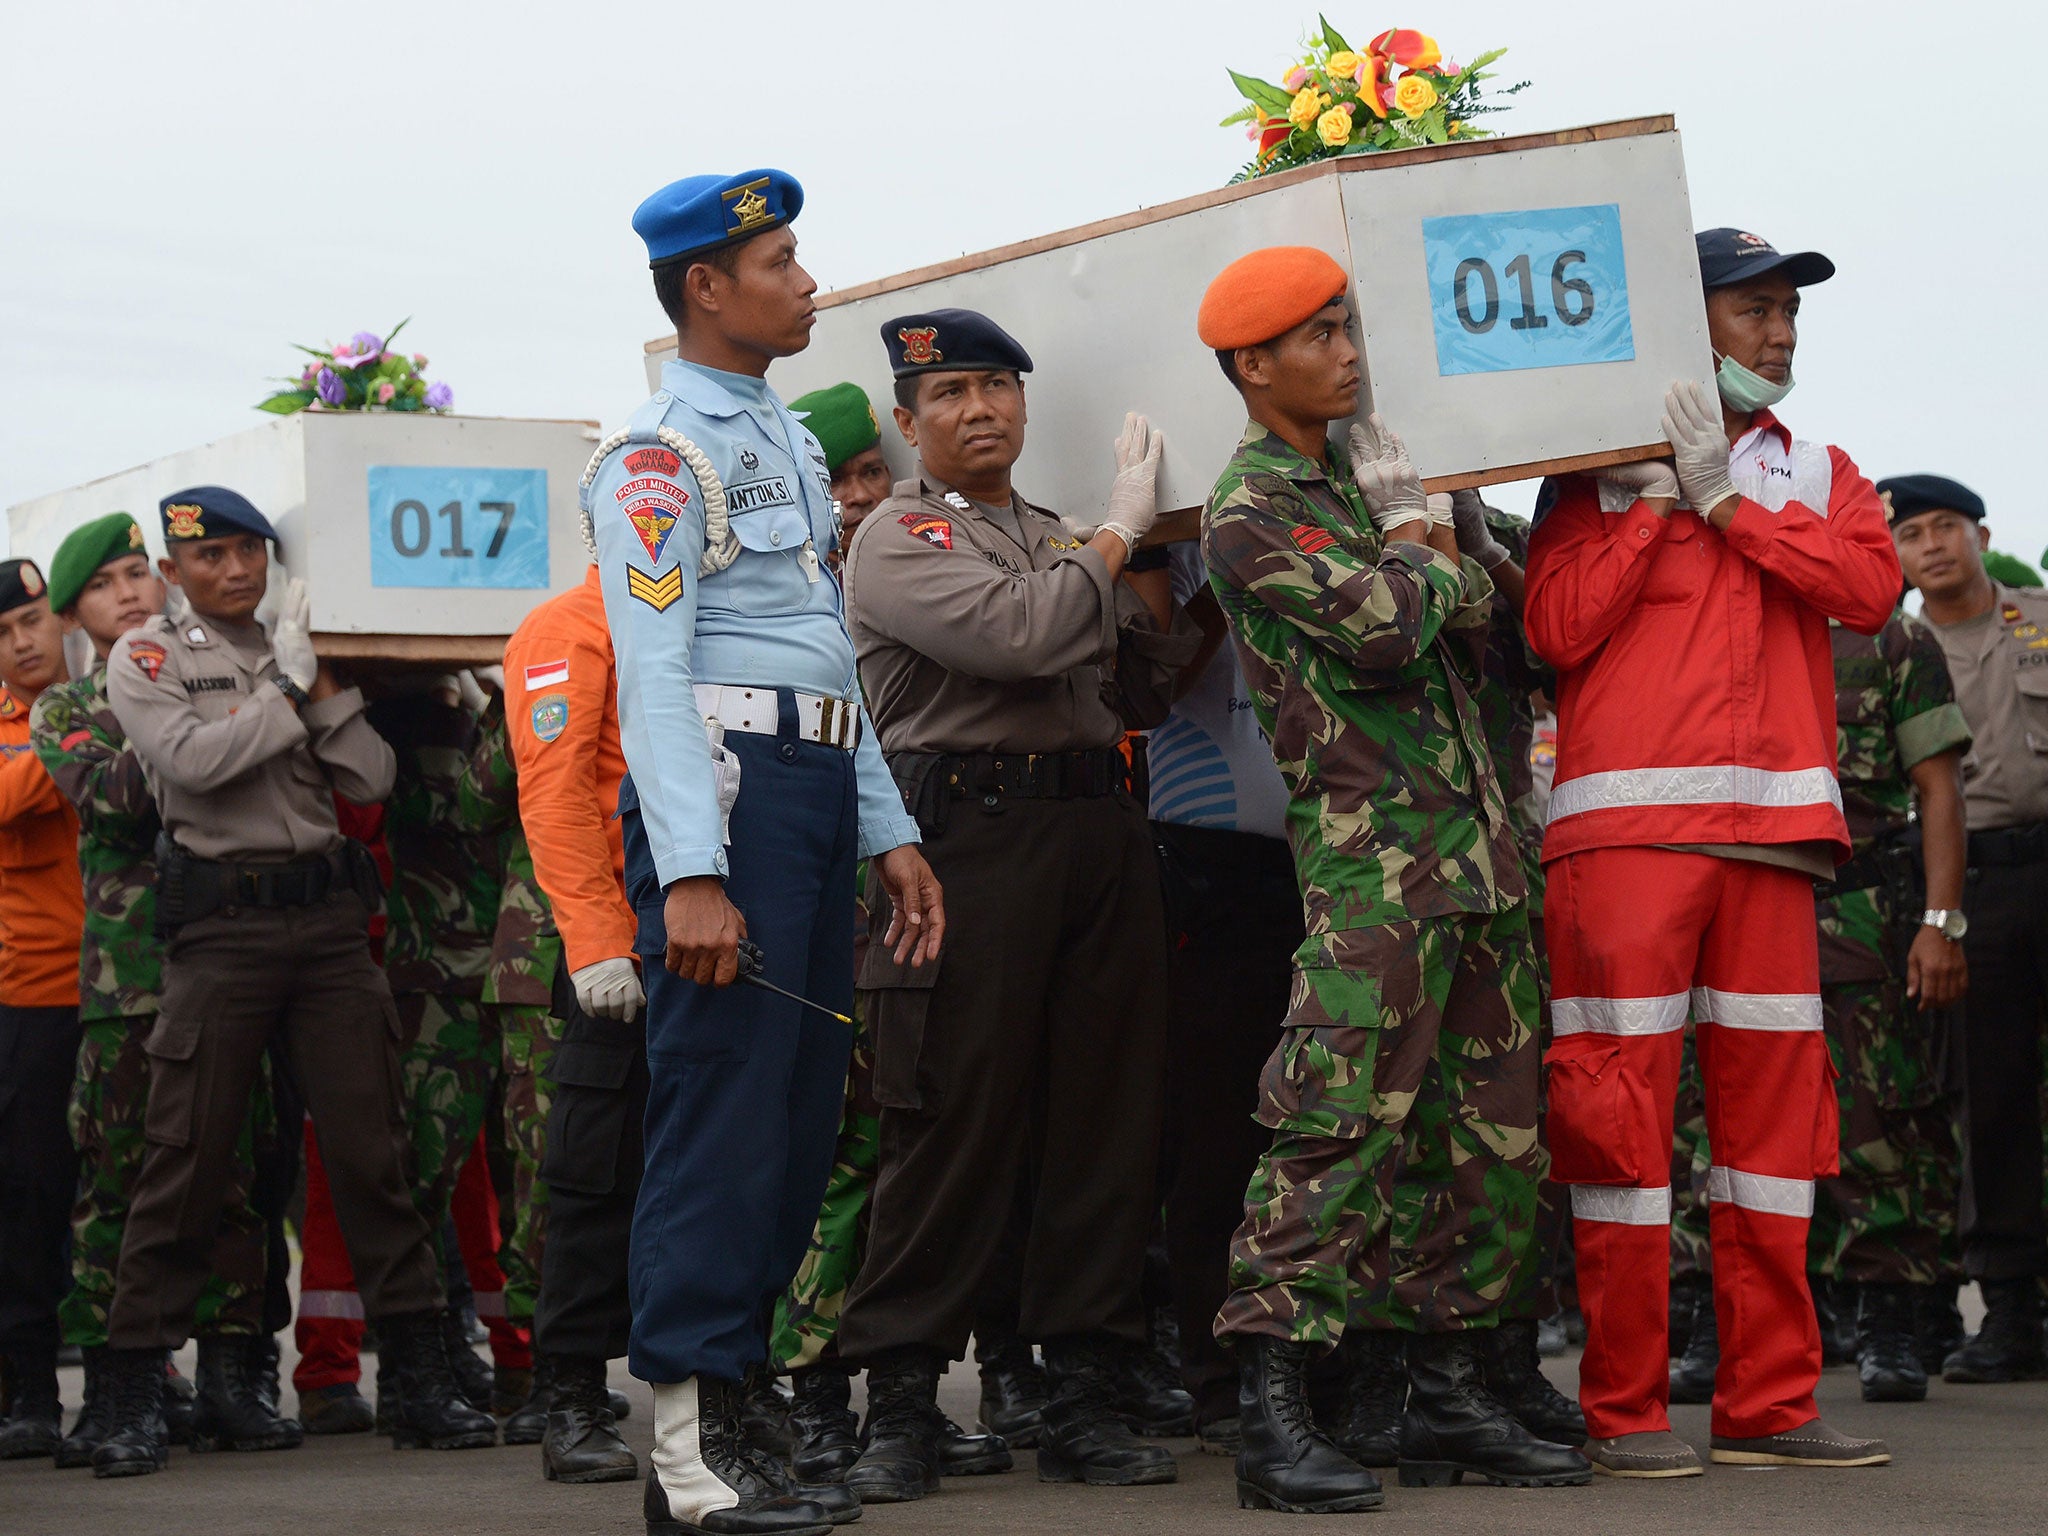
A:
(956, 501)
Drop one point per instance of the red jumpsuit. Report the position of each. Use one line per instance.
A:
(1696, 730)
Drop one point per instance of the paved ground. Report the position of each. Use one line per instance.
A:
(1969, 1459)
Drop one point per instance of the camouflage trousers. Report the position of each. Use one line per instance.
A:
(1691, 1245)
(529, 1034)
(807, 1316)
(108, 1099)
(1404, 1087)
(448, 1055)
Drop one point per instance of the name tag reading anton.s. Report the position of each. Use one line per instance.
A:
(1531, 288)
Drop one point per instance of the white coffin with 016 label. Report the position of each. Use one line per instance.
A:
(421, 538)
(1523, 305)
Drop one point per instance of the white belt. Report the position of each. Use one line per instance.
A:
(819, 717)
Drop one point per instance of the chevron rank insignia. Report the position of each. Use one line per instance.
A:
(657, 592)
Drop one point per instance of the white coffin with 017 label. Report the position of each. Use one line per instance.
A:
(422, 538)
(1523, 305)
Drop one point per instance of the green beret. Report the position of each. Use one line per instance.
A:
(85, 549)
(841, 419)
(2011, 570)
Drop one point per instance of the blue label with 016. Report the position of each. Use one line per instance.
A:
(1536, 288)
(440, 527)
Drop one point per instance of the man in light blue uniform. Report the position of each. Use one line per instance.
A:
(711, 520)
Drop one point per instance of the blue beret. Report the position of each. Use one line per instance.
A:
(210, 512)
(950, 338)
(1909, 495)
(702, 213)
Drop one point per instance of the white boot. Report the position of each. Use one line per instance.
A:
(701, 1480)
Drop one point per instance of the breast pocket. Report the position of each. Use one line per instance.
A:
(2032, 680)
(1678, 570)
(771, 576)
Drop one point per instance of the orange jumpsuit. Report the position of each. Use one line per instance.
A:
(42, 899)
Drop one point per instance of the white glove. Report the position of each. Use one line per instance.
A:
(291, 637)
(609, 989)
(1134, 494)
(1699, 442)
(1386, 476)
(1645, 478)
(1441, 514)
(1475, 536)
(725, 774)
(474, 699)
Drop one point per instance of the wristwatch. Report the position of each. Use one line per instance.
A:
(1949, 923)
(291, 690)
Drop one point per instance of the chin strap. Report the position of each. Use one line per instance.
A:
(721, 544)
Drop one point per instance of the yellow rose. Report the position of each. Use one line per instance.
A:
(1414, 95)
(1303, 109)
(1343, 64)
(1334, 127)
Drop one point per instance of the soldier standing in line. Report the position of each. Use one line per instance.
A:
(101, 582)
(1414, 1013)
(41, 914)
(1004, 661)
(244, 739)
(842, 419)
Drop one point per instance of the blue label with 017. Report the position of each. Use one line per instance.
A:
(1535, 288)
(440, 527)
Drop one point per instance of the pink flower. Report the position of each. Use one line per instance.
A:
(1450, 68)
(1296, 77)
(385, 391)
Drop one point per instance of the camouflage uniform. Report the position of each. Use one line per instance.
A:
(807, 1316)
(525, 950)
(439, 915)
(1409, 1056)
(120, 973)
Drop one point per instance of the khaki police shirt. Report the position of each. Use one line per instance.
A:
(1999, 662)
(237, 772)
(994, 629)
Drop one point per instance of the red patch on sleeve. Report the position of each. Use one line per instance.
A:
(936, 531)
(75, 740)
(1312, 541)
(653, 461)
(148, 655)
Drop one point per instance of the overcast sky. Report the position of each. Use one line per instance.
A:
(189, 189)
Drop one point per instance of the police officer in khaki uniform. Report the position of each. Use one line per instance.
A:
(244, 739)
(1996, 641)
(1003, 660)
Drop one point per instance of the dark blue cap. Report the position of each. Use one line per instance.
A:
(210, 512)
(949, 339)
(1735, 255)
(1907, 496)
(21, 583)
(700, 214)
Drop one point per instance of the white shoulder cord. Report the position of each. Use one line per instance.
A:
(721, 544)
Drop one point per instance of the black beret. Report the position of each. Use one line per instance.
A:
(210, 512)
(1909, 495)
(20, 584)
(947, 339)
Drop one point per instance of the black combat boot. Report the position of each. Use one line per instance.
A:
(764, 1411)
(510, 1389)
(1286, 1463)
(472, 1376)
(1937, 1324)
(137, 1441)
(582, 1443)
(430, 1410)
(528, 1424)
(1084, 1441)
(181, 1405)
(2008, 1346)
(1692, 1373)
(95, 1414)
(1886, 1361)
(1514, 1374)
(1375, 1367)
(1149, 1396)
(232, 1414)
(899, 1458)
(962, 1453)
(269, 1359)
(824, 1431)
(708, 1479)
(1834, 1311)
(337, 1410)
(1012, 1393)
(34, 1426)
(1455, 1427)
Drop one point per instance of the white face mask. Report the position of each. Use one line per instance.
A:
(1748, 391)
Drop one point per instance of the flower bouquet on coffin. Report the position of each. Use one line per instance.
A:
(362, 374)
(1399, 92)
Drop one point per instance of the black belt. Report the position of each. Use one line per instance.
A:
(189, 887)
(1033, 775)
(2026, 844)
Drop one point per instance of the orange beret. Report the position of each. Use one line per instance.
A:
(1259, 296)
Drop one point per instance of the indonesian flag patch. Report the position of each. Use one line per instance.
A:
(148, 655)
(547, 674)
(936, 531)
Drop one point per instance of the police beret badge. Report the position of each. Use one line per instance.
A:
(181, 521)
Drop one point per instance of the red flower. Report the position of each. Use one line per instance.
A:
(1372, 78)
(1410, 50)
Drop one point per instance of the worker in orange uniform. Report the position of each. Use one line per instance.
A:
(42, 919)
(562, 717)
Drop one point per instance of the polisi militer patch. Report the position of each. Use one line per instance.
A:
(148, 655)
(550, 716)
